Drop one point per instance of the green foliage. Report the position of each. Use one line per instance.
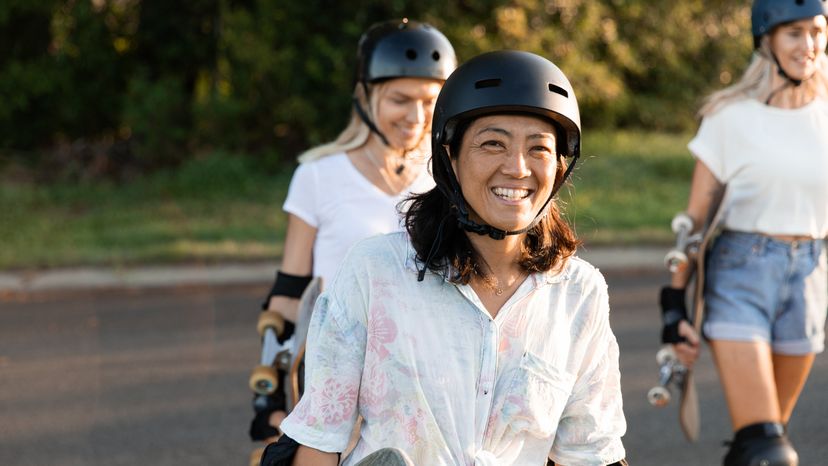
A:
(154, 82)
(28, 78)
(157, 113)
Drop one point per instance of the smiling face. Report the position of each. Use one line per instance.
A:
(404, 109)
(798, 44)
(506, 169)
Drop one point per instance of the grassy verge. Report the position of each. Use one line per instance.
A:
(215, 208)
(626, 189)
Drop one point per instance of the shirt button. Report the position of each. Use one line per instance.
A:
(485, 392)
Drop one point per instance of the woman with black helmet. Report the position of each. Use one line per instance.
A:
(349, 189)
(766, 139)
(477, 338)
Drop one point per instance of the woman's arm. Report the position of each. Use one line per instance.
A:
(297, 259)
(307, 456)
(704, 188)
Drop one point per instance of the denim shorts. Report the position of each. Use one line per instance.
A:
(759, 288)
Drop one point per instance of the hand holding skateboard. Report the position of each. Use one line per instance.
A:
(691, 249)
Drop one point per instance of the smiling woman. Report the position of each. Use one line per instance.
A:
(764, 140)
(477, 338)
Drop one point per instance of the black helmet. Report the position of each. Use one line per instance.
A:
(502, 82)
(767, 14)
(401, 49)
(410, 49)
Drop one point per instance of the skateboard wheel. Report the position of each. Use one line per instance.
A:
(264, 380)
(658, 396)
(681, 222)
(256, 456)
(665, 355)
(270, 319)
(675, 259)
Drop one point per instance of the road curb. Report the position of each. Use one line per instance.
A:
(155, 276)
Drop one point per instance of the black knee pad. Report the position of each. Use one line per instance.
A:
(763, 444)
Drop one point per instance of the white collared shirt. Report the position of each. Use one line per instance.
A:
(433, 374)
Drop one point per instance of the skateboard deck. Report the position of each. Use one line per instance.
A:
(672, 373)
(689, 418)
(296, 372)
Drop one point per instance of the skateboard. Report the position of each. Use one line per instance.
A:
(286, 357)
(296, 370)
(672, 374)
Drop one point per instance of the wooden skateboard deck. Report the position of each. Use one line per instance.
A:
(296, 372)
(689, 418)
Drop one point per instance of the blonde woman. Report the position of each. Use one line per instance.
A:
(349, 189)
(766, 139)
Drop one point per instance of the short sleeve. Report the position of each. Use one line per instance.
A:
(303, 195)
(592, 424)
(334, 358)
(708, 145)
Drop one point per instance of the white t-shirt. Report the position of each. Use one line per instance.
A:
(432, 373)
(331, 195)
(774, 162)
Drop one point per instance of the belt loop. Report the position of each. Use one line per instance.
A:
(763, 244)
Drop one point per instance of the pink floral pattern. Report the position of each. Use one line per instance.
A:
(433, 374)
(381, 331)
(336, 401)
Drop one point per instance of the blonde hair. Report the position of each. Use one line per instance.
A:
(757, 80)
(356, 134)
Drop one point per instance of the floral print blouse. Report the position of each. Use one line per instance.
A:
(432, 373)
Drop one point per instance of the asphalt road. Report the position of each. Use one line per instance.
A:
(158, 377)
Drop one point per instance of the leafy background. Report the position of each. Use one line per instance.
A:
(108, 88)
(149, 130)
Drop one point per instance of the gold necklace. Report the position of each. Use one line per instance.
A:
(499, 290)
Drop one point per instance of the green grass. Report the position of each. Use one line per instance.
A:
(625, 190)
(627, 187)
(212, 209)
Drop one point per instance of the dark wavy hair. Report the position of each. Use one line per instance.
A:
(441, 243)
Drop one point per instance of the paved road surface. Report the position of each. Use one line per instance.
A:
(158, 377)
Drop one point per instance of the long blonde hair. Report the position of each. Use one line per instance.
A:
(356, 134)
(757, 81)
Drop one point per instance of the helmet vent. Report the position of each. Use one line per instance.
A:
(487, 83)
(435, 55)
(558, 90)
(411, 54)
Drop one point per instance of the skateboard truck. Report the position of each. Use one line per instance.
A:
(264, 380)
(677, 257)
(671, 375)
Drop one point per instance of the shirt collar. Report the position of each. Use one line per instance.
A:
(549, 277)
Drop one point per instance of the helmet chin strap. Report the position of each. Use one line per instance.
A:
(789, 81)
(364, 117)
